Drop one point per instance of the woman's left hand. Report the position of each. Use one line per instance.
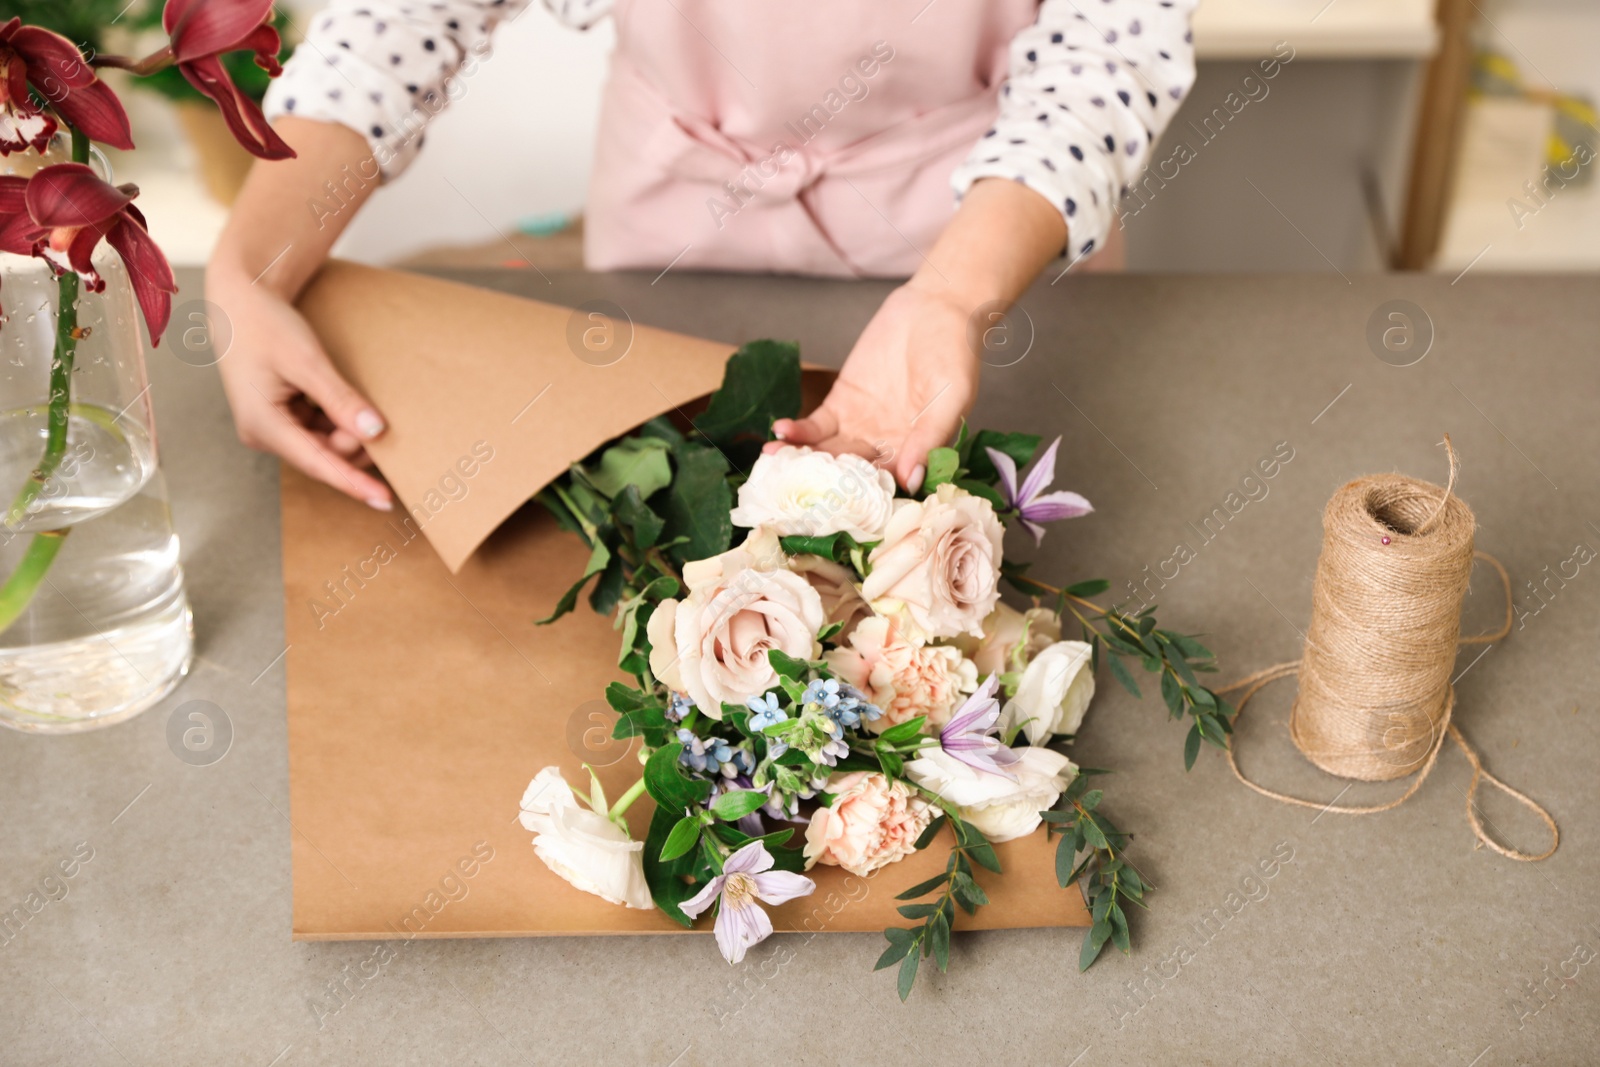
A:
(908, 381)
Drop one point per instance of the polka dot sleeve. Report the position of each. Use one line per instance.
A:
(1092, 85)
(384, 68)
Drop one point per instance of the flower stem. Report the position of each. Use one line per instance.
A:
(17, 593)
(635, 791)
(24, 581)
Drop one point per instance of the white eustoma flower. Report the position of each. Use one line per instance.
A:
(582, 846)
(1053, 693)
(798, 492)
(1002, 807)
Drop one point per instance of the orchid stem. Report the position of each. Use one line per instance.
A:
(24, 582)
(635, 791)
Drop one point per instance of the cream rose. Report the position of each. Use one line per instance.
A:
(713, 645)
(1054, 693)
(903, 679)
(939, 565)
(871, 823)
(1001, 807)
(842, 602)
(798, 491)
(1003, 631)
(582, 846)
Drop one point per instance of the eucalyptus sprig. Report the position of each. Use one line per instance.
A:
(1176, 657)
(910, 946)
(1109, 880)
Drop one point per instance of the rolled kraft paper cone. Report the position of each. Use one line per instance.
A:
(1385, 622)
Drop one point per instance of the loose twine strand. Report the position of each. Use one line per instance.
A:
(1376, 699)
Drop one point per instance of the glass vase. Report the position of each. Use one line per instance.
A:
(96, 624)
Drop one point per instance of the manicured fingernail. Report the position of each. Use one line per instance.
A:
(380, 503)
(369, 423)
(917, 474)
(780, 429)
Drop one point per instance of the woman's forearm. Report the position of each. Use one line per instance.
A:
(1000, 239)
(290, 213)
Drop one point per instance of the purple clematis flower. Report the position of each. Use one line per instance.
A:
(1032, 504)
(967, 735)
(746, 876)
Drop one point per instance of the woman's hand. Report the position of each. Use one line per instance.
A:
(286, 396)
(908, 381)
(914, 372)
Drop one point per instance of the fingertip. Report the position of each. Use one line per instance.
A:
(913, 481)
(369, 423)
(782, 428)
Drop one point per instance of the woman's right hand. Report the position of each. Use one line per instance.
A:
(286, 396)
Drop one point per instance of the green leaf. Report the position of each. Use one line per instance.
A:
(941, 941)
(1119, 929)
(908, 974)
(1191, 747)
(1093, 942)
(1172, 693)
(730, 807)
(799, 545)
(698, 504)
(684, 836)
(623, 697)
(608, 590)
(1093, 587)
(931, 832)
(649, 723)
(1065, 854)
(630, 510)
(898, 947)
(903, 732)
(599, 556)
(943, 465)
(1120, 671)
(982, 489)
(761, 384)
(666, 879)
(917, 911)
(667, 785)
(922, 889)
(1019, 446)
(786, 665)
(640, 462)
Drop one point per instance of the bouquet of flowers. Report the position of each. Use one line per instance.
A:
(825, 673)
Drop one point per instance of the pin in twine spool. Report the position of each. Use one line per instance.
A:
(1375, 697)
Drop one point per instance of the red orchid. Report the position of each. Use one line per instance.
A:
(202, 31)
(60, 215)
(60, 75)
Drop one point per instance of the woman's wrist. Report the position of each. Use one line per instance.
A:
(1001, 238)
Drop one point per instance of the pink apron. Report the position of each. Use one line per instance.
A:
(811, 138)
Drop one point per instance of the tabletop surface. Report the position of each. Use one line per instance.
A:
(1380, 939)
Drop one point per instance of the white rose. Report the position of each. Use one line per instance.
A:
(1000, 807)
(1054, 693)
(582, 846)
(713, 645)
(938, 567)
(800, 492)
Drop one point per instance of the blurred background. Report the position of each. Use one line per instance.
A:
(1439, 135)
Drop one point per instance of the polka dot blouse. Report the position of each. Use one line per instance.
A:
(1091, 86)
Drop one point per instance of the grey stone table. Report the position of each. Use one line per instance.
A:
(1386, 939)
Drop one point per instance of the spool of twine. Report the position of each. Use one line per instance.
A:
(1376, 698)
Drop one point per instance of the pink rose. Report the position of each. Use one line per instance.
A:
(939, 564)
(713, 645)
(842, 602)
(871, 823)
(903, 679)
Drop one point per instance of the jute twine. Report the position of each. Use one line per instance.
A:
(1376, 697)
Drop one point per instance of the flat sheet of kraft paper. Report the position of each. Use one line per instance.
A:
(421, 696)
